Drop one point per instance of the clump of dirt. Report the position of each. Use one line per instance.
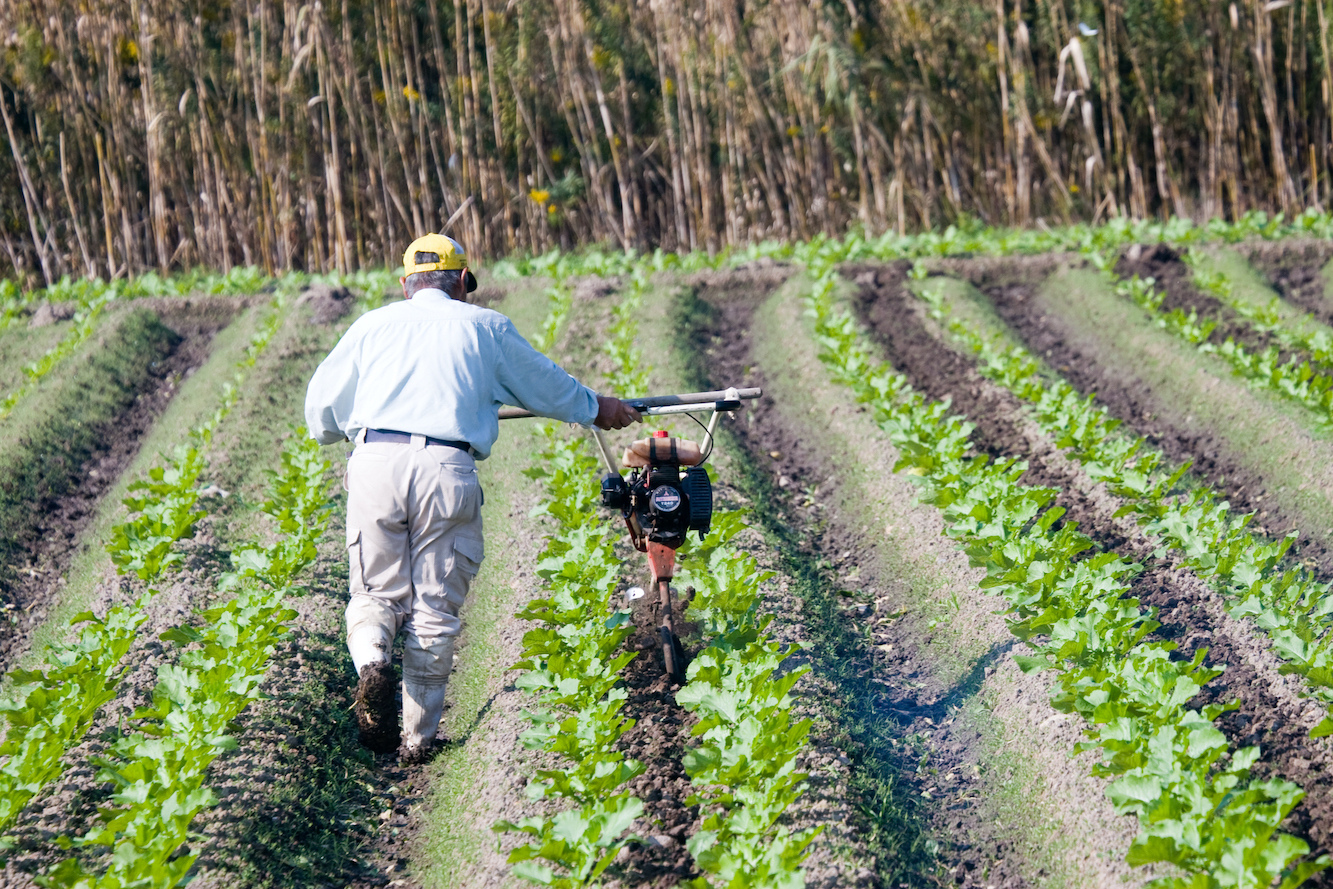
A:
(594, 287)
(327, 303)
(377, 708)
(49, 313)
(485, 296)
(1271, 712)
(60, 522)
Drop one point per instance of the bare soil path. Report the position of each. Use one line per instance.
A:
(1299, 270)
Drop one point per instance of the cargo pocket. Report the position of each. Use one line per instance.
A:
(356, 580)
(464, 563)
(468, 554)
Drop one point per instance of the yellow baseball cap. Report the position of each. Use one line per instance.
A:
(452, 257)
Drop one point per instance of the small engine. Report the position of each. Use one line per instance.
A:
(662, 502)
(666, 496)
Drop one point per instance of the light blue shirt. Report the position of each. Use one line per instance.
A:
(441, 368)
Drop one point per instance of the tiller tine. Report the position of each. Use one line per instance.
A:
(662, 560)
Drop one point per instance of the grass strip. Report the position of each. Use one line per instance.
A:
(1198, 807)
(1288, 604)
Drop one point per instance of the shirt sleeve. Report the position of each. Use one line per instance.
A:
(332, 390)
(530, 380)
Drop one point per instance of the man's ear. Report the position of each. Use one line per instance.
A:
(403, 281)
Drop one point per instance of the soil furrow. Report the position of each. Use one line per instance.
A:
(1271, 712)
(658, 739)
(920, 764)
(1295, 268)
(59, 520)
(1168, 426)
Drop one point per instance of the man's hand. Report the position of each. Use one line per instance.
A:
(612, 413)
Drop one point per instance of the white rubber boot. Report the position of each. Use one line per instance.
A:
(370, 630)
(426, 669)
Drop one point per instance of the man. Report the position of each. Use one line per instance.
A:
(418, 385)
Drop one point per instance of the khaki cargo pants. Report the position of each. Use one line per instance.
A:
(414, 543)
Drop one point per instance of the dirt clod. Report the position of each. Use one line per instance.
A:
(49, 313)
(377, 708)
(327, 303)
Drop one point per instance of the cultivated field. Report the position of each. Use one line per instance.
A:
(1020, 578)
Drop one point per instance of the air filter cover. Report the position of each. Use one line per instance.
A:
(699, 491)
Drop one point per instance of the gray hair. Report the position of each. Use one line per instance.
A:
(436, 279)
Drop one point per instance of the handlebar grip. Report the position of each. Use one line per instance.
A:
(718, 396)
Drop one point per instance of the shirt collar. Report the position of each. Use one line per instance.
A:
(432, 294)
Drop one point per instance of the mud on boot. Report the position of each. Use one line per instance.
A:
(377, 707)
(419, 754)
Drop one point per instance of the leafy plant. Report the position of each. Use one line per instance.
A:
(159, 772)
(1197, 805)
(572, 659)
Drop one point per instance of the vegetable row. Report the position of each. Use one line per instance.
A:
(573, 659)
(159, 771)
(972, 240)
(743, 766)
(1248, 573)
(1198, 805)
(51, 708)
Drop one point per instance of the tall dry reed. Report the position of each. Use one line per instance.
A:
(146, 134)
